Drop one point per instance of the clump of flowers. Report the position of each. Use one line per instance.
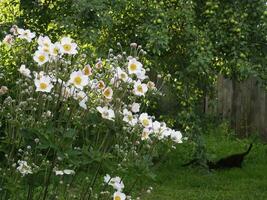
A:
(117, 184)
(24, 168)
(80, 121)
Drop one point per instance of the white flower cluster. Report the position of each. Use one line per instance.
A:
(150, 127)
(3, 90)
(135, 75)
(48, 51)
(25, 34)
(114, 89)
(103, 80)
(65, 171)
(24, 168)
(117, 184)
(20, 33)
(106, 113)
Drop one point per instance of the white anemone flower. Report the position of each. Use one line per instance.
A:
(135, 107)
(14, 30)
(166, 132)
(145, 133)
(67, 46)
(99, 64)
(140, 89)
(41, 57)
(87, 70)
(3, 90)
(81, 95)
(78, 79)
(107, 178)
(59, 172)
(106, 113)
(108, 93)
(69, 171)
(117, 183)
(93, 83)
(122, 75)
(44, 49)
(8, 40)
(145, 120)
(176, 136)
(82, 98)
(25, 71)
(134, 66)
(141, 74)
(26, 34)
(24, 168)
(44, 41)
(44, 44)
(156, 126)
(38, 75)
(129, 118)
(43, 84)
(151, 85)
(65, 171)
(54, 49)
(101, 85)
(67, 91)
(161, 133)
(119, 196)
(83, 105)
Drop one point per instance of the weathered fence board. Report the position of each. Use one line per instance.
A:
(251, 105)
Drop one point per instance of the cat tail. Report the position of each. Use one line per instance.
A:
(190, 162)
(250, 146)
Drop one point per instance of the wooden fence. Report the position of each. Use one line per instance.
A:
(251, 105)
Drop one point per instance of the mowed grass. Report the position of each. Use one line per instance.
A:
(178, 183)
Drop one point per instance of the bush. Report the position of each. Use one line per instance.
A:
(68, 122)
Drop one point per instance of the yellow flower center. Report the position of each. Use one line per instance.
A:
(107, 93)
(77, 80)
(41, 58)
(87, 71)
(130, 117)
(145, 122)
(46, 49)
(67, 47)
(133, 67)
(55, 51)
(117, 198)
(123, 76)
(43, 86)
(98, 65)
(140, 88)
(101, 85)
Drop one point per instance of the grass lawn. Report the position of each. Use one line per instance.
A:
(249, 183)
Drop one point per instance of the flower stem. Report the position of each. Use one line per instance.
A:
(49, 176)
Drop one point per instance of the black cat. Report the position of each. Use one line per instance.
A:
(228, 162)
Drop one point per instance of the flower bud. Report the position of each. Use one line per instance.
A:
(8, 40)
(133, 45)
(3, 90)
